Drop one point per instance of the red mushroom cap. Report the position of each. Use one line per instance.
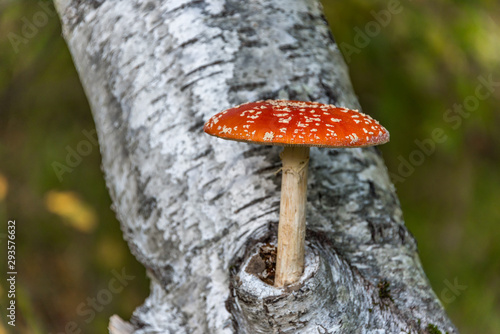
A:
(283, 122)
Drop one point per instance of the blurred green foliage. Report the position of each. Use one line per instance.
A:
(416, 60)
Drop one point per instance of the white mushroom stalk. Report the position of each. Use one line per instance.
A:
(292, 223)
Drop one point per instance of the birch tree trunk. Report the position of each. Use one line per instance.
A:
(195, 210)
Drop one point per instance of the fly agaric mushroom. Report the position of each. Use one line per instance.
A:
(297, 126)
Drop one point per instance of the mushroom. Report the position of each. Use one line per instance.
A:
(297, 126)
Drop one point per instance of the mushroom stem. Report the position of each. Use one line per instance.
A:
(292, 224)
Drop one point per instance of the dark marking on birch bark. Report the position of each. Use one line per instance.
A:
(252, 202)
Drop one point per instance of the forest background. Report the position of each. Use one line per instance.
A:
(428, 70)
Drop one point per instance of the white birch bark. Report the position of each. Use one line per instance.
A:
(194, 208)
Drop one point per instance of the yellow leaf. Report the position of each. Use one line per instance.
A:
(72, 209)
(4, 187)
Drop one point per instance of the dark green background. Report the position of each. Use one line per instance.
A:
(410, 63)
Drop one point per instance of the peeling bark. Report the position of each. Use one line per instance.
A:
(195, 209)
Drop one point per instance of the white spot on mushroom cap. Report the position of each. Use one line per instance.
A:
(354, 138)
(225, 129)
(268, 135)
